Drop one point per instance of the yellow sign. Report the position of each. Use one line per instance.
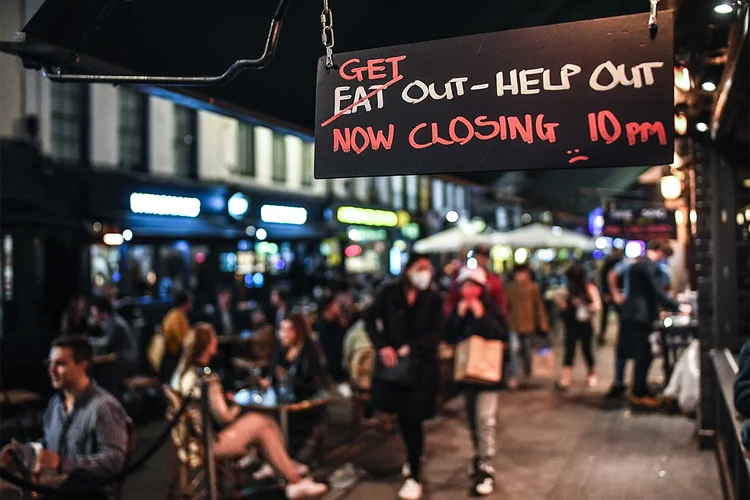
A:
(367, 217)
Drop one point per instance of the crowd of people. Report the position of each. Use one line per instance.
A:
(387, 344)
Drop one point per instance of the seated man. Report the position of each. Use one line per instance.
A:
(85, 430)
(742, 394)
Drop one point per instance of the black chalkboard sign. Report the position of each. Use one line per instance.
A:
(640, 224)
(586, 94)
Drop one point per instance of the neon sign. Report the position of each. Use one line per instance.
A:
(367, 217)
(160, 204)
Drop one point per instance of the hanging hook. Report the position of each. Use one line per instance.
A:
(653, 23)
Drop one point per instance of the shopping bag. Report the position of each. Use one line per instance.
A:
(543, 358)
(478, 361)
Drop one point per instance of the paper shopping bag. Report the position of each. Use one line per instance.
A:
(478, 360)
(543, 363)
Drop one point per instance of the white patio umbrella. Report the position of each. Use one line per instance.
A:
(543, 236)
(452, 240)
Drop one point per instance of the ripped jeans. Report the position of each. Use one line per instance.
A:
(520, 350)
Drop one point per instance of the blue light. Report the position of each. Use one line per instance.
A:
(248, 281)
(238, 205)
(280, 264)
(116, 277)
(182, 246)
(258, 279)
(243, 245)
(598, 254)
(596, 221)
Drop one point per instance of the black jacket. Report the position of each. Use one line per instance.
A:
(390, 308)
(390, 321)
(491, 326)
(645, 294)
(308, 375)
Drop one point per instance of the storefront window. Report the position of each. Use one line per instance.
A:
(460, 198)
(105, 267)
(397, 186)
(245, 149)
(438, 195)
(133, 119)
(424, 194)
(185, 132)
(69, 122)
(173, 269)
(362, 187)
(412, 195)
(308, 163)
(278, 168)
(384, 190)
(141, 277)
(450, 196)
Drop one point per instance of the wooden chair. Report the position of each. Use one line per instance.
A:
(188, 471)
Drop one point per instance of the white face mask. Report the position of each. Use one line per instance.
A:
(421, 279)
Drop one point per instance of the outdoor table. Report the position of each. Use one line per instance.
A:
(267, 401)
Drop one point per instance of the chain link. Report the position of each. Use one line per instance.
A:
(326, 19)
(652, 18)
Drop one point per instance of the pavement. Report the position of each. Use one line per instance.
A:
(551, 446)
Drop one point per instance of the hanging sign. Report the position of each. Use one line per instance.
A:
(640, 224)
(586, 94)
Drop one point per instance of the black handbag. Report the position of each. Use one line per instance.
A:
(400, 374)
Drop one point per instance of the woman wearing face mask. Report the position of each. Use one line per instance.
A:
(405, 323)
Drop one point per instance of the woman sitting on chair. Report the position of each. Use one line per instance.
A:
(297, 373)
(236, 432)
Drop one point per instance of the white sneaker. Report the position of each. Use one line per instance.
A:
(486, 487)
(411, 490)
(406, 470)
(304, 489)
(591, 381)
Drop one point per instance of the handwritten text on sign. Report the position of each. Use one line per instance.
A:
(594, 93)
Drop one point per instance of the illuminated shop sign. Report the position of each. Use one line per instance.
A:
(279, 214)
(367, 217)
(160, 204)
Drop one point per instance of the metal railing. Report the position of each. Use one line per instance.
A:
(733, 466)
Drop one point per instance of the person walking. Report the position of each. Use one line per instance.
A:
(527, 317)
(405, 323)
(477, 314)
(579, 308)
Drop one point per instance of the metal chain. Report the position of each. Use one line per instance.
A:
(653, 23)
(326, 19)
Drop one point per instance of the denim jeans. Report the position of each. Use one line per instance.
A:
(520, 350)
(481, 413)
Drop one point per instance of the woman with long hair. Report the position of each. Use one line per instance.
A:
(405, 324)
(578, 310)
(297, 360)
(235, 431)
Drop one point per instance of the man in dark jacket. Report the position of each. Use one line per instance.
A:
(742, 394)
(331, 333)
(608, 302)
(639, 311)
